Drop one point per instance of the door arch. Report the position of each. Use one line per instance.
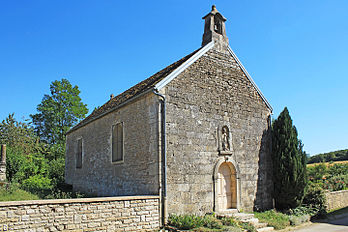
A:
(226, 186)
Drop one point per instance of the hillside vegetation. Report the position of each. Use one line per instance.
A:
(330, 156)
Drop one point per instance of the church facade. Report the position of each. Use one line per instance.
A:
(197, 133)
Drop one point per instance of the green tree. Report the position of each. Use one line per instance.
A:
(58, 112)
(25, 152)
(289, 163)
(19, 135)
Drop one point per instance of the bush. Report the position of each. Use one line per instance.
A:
(56, 172)
(248, 227)
(315, 199)
(301, 211)
(229, 221)
(332, 178)
(273, 218)
(37, 184)
(298, 220)
(64, 193)
(336, 183)
(211, 222)
(185, 222)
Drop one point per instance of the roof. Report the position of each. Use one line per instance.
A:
(132, 92)
(157, 82)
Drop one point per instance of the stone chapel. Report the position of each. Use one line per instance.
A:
(196, 133)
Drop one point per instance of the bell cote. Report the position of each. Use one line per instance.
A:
(214, 29)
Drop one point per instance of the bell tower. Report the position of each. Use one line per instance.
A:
(214, 29)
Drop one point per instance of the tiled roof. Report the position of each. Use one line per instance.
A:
(137, 89)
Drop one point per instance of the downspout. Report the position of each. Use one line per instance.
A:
(164, 157)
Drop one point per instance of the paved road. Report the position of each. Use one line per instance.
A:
(334, 225)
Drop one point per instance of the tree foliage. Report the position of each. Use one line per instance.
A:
(58, 112)
(330, 156)
(19, 135)
(289, 163)
(25, 152)
(35, 153)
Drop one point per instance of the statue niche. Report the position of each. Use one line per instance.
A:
(225, 141)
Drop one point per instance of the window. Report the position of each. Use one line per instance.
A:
(79, 154)
(117, 142)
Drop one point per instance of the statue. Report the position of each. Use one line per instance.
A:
(225, 138)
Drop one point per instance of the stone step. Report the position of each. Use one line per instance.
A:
(227, 213)
(265, 229)
(246, 217)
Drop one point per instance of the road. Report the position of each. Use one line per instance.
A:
(333, 225)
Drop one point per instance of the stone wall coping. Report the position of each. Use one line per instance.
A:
(337, 192)
(76, 200)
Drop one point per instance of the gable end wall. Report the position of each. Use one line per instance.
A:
(211, 93)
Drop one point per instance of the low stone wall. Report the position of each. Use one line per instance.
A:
(337, 199)
(131, 213)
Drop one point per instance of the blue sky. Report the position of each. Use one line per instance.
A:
(296, 52)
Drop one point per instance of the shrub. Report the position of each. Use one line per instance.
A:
(336, 183)
(315, 199)
(317, 172)
(300, 211)
(297, 220)
(211, 222)
(229, 221)
(248, 227)
(37, 184)
(338, 169)
(56, 172)
(273, 218)
(185, 222)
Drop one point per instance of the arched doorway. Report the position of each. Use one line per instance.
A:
(226, 187)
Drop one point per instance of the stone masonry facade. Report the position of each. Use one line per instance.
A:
(211, 93)
(139, 213)
(138, 173)
(215, 116)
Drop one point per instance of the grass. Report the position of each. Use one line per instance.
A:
(329, 163)
(16, 195)
(225, 228)
(273, 218)
(207, 223)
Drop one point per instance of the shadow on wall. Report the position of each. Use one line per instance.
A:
(264, 191)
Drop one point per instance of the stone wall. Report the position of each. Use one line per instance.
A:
(337, 199)
(138, 173)
(211, 93)
(136, 213)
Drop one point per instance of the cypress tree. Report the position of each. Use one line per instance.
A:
(289, 163)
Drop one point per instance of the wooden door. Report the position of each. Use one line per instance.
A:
(227, 188)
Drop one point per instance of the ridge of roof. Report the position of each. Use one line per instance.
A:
(137, 90)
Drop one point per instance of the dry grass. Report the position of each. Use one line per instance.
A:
(329, 163)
